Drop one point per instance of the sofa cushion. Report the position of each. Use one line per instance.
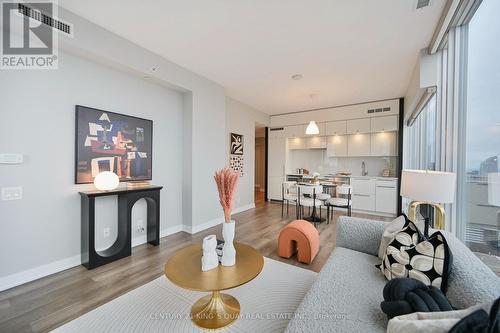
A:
(345, 297)
(411, 254)
(392, 228)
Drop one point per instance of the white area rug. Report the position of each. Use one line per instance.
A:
(267, 304)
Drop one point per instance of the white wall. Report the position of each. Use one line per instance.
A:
(241, 119)
(204, 111)
(37, 119)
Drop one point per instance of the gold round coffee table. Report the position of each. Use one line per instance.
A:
(216, 310)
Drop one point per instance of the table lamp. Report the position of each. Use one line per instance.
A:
(106, 181)
(428, 187)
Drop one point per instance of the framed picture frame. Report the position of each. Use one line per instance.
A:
(236, 161)
(110, 141)
(236, 144)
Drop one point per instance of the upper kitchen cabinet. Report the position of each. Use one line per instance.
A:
(336, 146)
(384, 124)
(321, 127)
(297, 143)
(358, 145)
(277, 132)
(358, 126)
(336, 128)
(316, 142)
(384, 144)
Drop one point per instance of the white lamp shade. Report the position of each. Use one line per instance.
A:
(106, 181)
(312, 128)
(431, 186)
(494, 189)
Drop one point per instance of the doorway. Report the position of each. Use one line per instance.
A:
(260, 165)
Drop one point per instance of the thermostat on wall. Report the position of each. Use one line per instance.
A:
(11, 158)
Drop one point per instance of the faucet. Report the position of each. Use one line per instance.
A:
(363, 169)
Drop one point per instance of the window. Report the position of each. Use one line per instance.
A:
(420, 140)
(480, 179)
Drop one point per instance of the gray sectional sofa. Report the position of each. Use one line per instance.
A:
(347, 293)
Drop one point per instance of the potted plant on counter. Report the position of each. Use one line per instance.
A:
(226, 181)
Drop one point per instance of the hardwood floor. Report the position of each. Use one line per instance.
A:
(47, 303)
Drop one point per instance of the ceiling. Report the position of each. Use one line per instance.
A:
(348, 51)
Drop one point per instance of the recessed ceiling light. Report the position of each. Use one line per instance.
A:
(296, 77)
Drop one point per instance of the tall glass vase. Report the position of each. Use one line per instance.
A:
(228, 251)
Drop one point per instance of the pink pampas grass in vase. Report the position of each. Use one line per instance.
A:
(226, 181)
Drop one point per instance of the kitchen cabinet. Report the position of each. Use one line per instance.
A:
(336, 128)
(384, 124)
(336, 146)
(321, 127)
(363, 201)
(358, 126)
(276, 166)
(363, 193)
(383, 144)
(358, 145)
(297, 143)
(316, 142)
(386, 196)
(363, 185)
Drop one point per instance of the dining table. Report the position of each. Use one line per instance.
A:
(331, 187)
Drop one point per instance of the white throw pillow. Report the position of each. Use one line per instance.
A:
(431, 322)
(392, 228)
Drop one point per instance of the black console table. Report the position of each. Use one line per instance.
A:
(123, 245)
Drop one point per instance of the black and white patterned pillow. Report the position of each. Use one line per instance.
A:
(415, 255)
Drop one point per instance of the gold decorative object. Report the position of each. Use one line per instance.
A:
(216, 310)
(438, 210)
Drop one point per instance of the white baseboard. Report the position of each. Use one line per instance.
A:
(36, 273)
(212, 223)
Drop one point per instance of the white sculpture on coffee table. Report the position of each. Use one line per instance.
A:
(209, 260)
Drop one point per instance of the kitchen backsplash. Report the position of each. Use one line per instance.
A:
(315, 160)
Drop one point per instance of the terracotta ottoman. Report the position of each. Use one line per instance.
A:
(300, 236)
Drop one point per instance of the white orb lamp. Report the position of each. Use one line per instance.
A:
(106, 181)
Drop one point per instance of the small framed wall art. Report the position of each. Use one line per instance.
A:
(236, 153)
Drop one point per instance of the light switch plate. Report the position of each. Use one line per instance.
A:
(12, 193)
(11, 158)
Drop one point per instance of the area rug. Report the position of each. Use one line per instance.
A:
(267, 304)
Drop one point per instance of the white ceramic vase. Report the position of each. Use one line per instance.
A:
(209, 260)
(228, 250)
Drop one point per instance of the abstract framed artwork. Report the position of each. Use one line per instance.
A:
(236, 161)
(236, 147)
(109, 141)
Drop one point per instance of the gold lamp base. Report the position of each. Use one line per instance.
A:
(438, 209)
(215, 311)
